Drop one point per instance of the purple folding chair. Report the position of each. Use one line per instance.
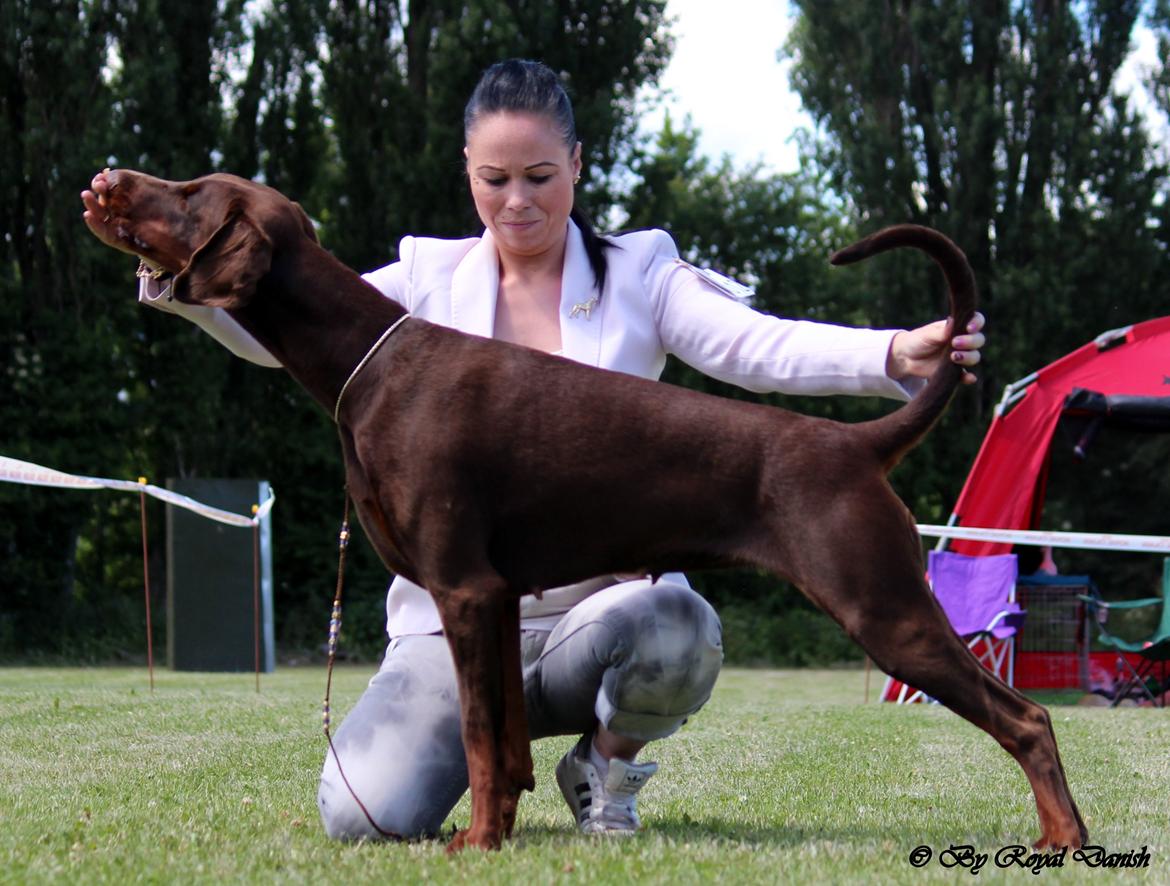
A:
(978, 595)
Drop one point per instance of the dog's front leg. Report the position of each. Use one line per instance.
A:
(516, 745)
(482, 625)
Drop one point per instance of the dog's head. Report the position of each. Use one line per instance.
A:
(218, 234)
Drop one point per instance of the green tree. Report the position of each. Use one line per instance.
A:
(354, 108)
(63, 367)
(1158, 83)
(398, 76)
(999, 124)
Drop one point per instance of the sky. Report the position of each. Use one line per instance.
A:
(725, 73)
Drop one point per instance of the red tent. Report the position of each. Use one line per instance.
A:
(1122, 377)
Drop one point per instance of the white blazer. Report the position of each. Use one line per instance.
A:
(653, 304)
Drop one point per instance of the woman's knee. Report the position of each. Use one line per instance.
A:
(680, 632)
(341, 816)
(368, 811)
(400, 749)
(670, 653)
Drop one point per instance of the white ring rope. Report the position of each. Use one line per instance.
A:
(15, 471)
(1094, 541)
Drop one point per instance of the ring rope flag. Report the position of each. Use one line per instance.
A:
(15, 471)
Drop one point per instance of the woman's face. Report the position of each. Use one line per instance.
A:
(522, 175)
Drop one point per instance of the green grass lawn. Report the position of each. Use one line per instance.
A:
(785, 776)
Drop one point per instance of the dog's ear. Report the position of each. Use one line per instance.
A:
(224, 271)
(306, 222)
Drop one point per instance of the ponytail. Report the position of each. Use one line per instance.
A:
(595, 246)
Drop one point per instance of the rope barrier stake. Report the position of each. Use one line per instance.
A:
(256, 594)
(146, 584)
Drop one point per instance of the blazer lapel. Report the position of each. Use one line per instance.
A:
(474, 285)
(581, 310)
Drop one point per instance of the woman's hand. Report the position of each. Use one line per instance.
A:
(97, 217)
(916, 353)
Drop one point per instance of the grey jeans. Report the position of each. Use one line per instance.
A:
(636, 657)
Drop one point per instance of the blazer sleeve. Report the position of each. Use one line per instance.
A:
(216, 322)
(726, 339)
(394, 280)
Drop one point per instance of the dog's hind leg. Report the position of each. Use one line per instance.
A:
(940, 665)
(879, 595)
(481, 622)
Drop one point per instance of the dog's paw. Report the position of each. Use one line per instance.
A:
(468, 839)
(1056, 839)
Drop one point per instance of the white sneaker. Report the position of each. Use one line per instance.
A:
(607, 807)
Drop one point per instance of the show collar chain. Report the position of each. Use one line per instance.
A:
(366, 359)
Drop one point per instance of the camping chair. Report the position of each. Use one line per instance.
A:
(978, 595)
(1154, 651)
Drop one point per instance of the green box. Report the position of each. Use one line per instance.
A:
(211, 599)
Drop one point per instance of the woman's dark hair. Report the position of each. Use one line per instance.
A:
(528, 87)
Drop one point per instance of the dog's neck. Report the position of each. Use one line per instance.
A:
(317, 317)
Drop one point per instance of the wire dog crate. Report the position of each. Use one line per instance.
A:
(1052, 649)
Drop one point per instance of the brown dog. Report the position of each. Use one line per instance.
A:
(467, 490)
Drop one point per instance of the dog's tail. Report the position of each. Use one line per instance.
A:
(897, 433)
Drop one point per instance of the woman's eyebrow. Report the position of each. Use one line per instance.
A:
(489, 168)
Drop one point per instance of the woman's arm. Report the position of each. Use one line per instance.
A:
(221, 326)
(216, 322)
(726, 339)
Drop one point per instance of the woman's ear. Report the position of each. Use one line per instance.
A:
(575, 160)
